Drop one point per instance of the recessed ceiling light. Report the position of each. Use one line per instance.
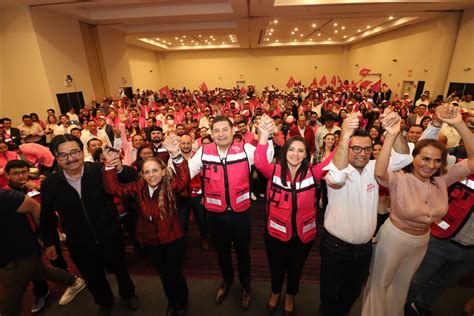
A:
(301, 35)
(157, 38)
(182, 44)
(345, 36)
(196, 44)
(368, 26)
(181, 41)
(267, 39)
(176, 38)
(214, 39)
(314, 25)
(184, 36)
(319, 34)
(277, 41)
(270, 34)
(292, 33)
(275, 21)
(199, 35)
(271, 30)
(335, 24)
(209, 43)
(169, 43)
(336, 31)
(311, 39)
(192, 41)
(295, 39)
(296, 29)
(343, 27)
(329, 39)
(390, 17)
(223, 42)
(211, 36)
(205, 41)
(358, 31)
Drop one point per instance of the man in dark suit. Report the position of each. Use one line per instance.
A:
(418, 116)
(301, 129)
(109, 130)
(379, 97)
(10, 135)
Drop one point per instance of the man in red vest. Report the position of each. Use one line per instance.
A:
(225, 171)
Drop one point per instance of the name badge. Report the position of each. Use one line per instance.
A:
(443, 225)
(278, 227)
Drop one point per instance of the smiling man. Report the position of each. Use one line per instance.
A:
(89, 219)
(225, 171)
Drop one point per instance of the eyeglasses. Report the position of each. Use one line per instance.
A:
(358, 150)
(73, 154)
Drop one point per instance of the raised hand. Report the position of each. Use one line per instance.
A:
(171, 144)
(390, 121)
(112, 158)
(351, 123)
(449, 114)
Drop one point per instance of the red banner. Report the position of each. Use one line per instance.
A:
(291, 82)
(323, 81)
(364, 72)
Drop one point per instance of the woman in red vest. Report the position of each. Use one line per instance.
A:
(158, 226)
(291, 211)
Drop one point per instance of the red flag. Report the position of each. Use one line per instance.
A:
(339, 79)
(291, 82)
(376, 86)
(333, 80)
(243, 91)
(364, 84)
(364, 72)
(165, 91)
(323, 81)
(314, 83)
(203, 87)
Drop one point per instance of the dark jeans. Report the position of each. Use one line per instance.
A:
(94, 260)
(168, 260)
(444, 264)
(344, 268)
(41, 288)
(199, 212)
(286, 257)
(227, 228)
(15, 276)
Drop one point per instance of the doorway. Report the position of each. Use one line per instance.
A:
(407, 87)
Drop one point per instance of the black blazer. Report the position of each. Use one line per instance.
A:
(16, 138)
(87, 219)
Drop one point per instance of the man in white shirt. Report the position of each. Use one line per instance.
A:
(93, 132)
(350, 219)
(65, 127)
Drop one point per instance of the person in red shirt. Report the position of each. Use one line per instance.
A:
(301, 129)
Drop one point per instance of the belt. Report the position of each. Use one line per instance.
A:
(341, 242)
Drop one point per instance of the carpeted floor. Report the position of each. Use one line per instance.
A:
(203, 274)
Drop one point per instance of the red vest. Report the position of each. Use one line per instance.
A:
(226, 186)
(280, 207)
(461, 206)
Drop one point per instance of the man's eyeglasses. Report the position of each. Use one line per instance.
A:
(74, 154)
(358, 150)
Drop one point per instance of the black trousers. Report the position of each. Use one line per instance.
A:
(344, 268)
(227, 228)
(41, 288)
(168, 260)
(199, 212)
(94, 260)
(286, 257)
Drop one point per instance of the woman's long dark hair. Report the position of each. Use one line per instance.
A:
(303, 169)
(433, 143)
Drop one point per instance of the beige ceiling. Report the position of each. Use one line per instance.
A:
(218, 24)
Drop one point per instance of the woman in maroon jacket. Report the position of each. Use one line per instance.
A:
(158, 226)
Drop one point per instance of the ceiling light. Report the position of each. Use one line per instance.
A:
(181, 41)
(267, 39)
(295, 39)
(271, 30)
(270, 34)
(157, 38)
(314, 25)
(223, 42)
(296, 29)
(336, 31)
(311, 39)
(329, 39)
(205, 41)
(301, 35)
(196, 44)
(319, 34)
(176, 38)
(211, 36)
(345, 36)
(358, 31)
(213, 39)
(169, 43)
(275, 21)
(182, 44)
(276, 41)
(343, 27)
(335, 24)
(199, 35)
(390, 17)
(368, 26)
(292, 33)
(209, 43)
(192, 41)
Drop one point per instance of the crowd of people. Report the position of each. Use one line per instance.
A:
(390, 180)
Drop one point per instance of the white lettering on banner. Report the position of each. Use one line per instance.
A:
(443, 225)
(243, 197)
(213, 201)
(212, 158)
(308, 227)
(278, 227)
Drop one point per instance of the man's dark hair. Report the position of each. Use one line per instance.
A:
(61, 139)
(26, 116)
(17, 163)
(91, 140)
(361, 133)
(75, 129)
(156, 128)
(6, 119)
(53, 110)
(219, 118)
(415, 125)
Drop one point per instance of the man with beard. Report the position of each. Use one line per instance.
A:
(156, 138)
(190, 198)
(89, 219)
